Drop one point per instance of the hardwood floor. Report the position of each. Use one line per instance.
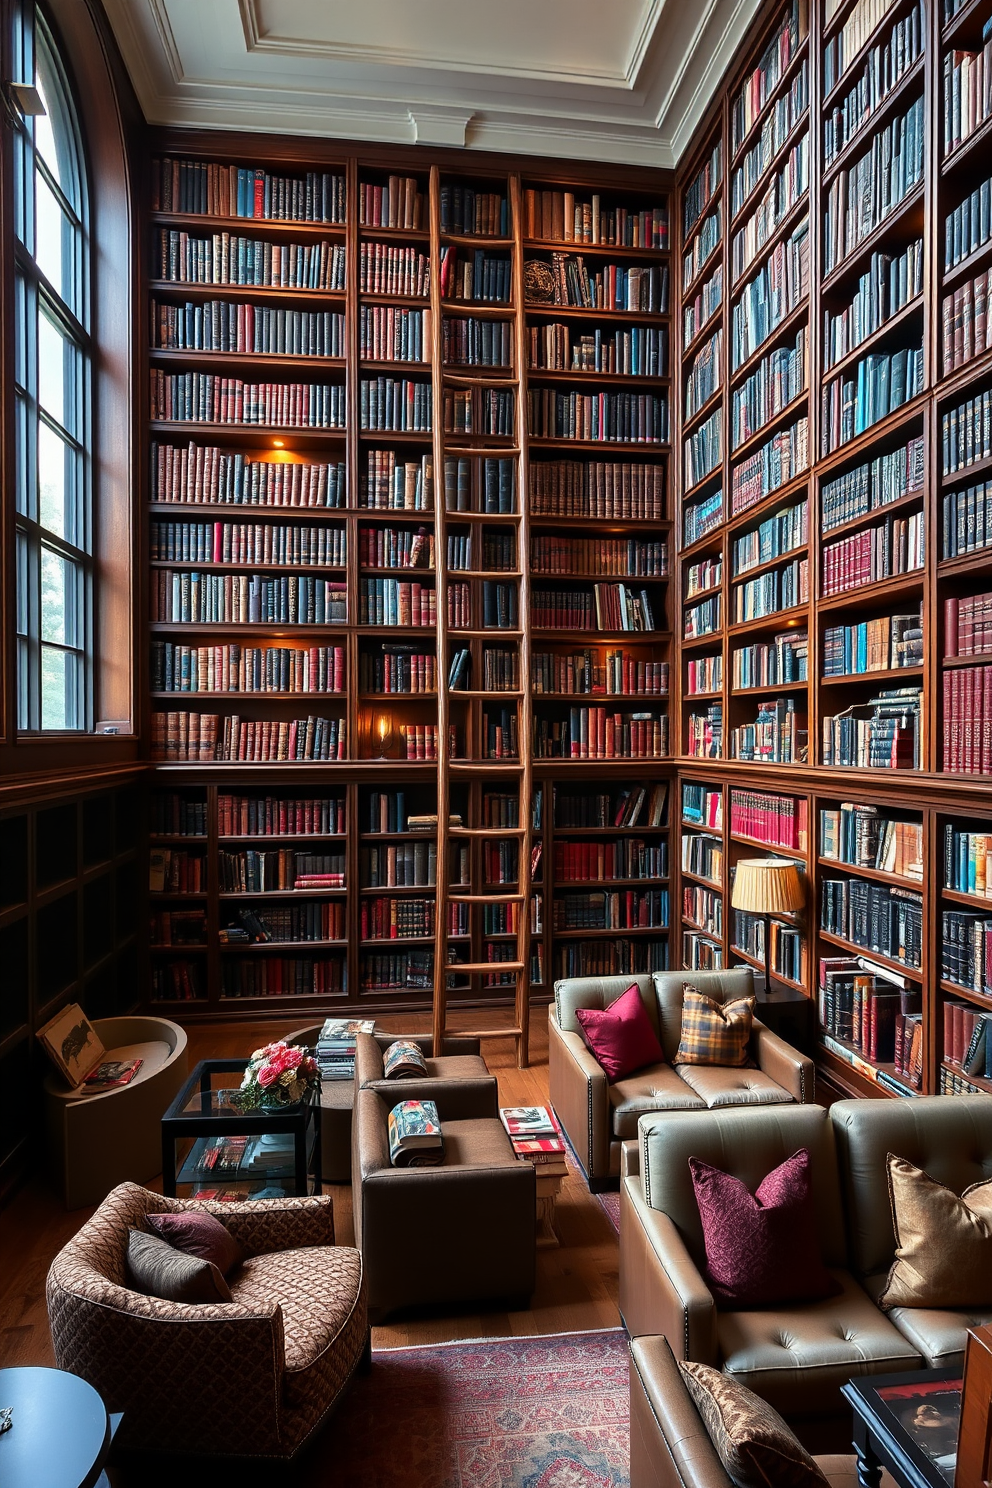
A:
(576, 1283)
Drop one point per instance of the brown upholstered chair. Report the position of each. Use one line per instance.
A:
(463, 1232)
(462, 1077)
(795, 1356)
(250, 1378)
(951, 1140)
(598, 1117)
(669, 1444)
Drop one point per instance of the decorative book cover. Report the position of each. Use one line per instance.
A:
(403, 1060)
(415, 1139)
(529, 1121)
(111, 1073)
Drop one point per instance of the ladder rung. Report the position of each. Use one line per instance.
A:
(487, 831)
(487, 1032)
(472, 967)
(486, 898)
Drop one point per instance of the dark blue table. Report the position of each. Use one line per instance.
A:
(61, 1431)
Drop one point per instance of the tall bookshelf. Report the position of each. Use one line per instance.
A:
(476, 561)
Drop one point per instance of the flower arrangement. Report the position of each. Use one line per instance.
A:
(281, 1074)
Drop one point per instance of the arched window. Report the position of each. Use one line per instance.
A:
(54, 520)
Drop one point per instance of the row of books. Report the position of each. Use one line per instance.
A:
(966, 326)
(210, 736)
(701, 517)
(204, 188)
(703, 674)
(862, 1008)
(886, 63)
(388, 269)
(175, 815)
(775, 463)
(254, 871)
(969, 226)
(776, 536)
(776, 382)
(702, 248)
(314, 920)
(189, 597)
(624, 909)
(952, 1082)
(408, 918)
(597, 488)
(967, 624)
(621, 417)
(772, 295)
(598, 733)
(761, 82)
(882, 734)
(965, 1038)
(392, 484)
(398, 969)
(275, 544)
(702, 856)
(873, 484)
(247, 329)
(557, 216)
(778, 589)
(967, 720)
(605, 957)
(630, 556)
(895, 546)
(419, 741)
(177, 981)
(777, 736)
(881, 382)
(280, 816)
(782, 194)
(780, 821)
(400, 203)
(597, 862)
(609, 286)
(178, 927)
(702, 619)
(699, 310)
(499, 734)
(704, 733)
(176, 871)
(888, 642)
(485, 278)
(635, 351)
(399, 865)
(702, 806)
(967, 91)
(879, 917)
(630, 806)
(781, 119)
(200, 474)
(966, 861)
(698, 194)
(772, 663)
(700, 953)
(227, 258)
(495, 484)
(966, 950)
(479, 214)
(857, 834)
(397, 405)
(703, 908)
(500, 861)
(860, 197)
(236, 668)
(470, 342)
(202, 397)
(479, 410)
(395, 547)
(389, 334)
(399, 669)
(702, 576)
(967, 520)
(702, 453)
(401, 602)
(704, 375)
(887, 284)
(387, 811)
(785, 944)
(619, 673)
(843, 46)
(283, 976)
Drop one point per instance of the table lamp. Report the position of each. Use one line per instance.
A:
(768, 887)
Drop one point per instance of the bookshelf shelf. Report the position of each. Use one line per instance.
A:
(784, 331)
(971, 154)
(980, 999)
(978, 901)
(905, 218)
(900, 880)
(889, 330)
(202, 223)
(889, 105)
(888, 675)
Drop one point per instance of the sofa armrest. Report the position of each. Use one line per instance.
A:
(630, 1159)
(661, 1290)
(474, 1099)
(669, 1444)
(261, 1226)
(782, 1063)
(578, 1091)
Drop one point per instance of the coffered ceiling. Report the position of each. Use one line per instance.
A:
(623, 80)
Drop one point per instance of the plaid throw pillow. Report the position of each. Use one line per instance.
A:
(714, 1032)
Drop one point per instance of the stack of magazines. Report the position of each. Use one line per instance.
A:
(535, 1134)
(336, 1046)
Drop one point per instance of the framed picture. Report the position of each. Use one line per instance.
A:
(72, 1043)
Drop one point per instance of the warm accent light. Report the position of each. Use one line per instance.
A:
(278, 443)
(768, 887)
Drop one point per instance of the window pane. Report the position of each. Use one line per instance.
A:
(56, 495)
(52, 240)
(44, 134)
(57, 598)
(57, 676)
(23, 579)
(52, 357)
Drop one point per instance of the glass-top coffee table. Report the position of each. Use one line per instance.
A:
(220, 1152)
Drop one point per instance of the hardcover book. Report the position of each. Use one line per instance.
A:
(415, 1138)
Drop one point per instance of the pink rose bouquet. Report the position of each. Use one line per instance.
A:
(279, 1075)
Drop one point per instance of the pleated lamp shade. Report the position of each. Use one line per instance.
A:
(768, 886)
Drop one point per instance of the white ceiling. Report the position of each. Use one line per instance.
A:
(621, 80)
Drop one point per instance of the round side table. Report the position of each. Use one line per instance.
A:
(60, 1433)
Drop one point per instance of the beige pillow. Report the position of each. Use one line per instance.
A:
(714, 1032)
(749, 1436)
(943, 1243)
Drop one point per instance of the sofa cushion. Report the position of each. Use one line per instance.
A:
(319, 1290)
(155, 1268)
(797, 1358)
(752, 1441)
(197, 1233)
(714, 1032)
(761, 1247)
(718, 1085)
(482, 1143)
(621, 1037)
(943, 1243)
(658, 1088)
(938, 1332)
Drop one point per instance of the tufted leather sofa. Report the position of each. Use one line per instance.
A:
(598, 1117)
(250, 1378)
(951, 1140)
(795, 1357)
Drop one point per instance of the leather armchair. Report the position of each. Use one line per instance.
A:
(254, 1377)
(598, 1117)
(796, 1357)
(465, 1231)
(949, 1139)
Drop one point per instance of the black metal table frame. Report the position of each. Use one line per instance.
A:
(880, 1439)
(178, 1123)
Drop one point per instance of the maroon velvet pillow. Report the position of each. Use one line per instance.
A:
(621, 1036)
(761, 1247)
(197, 1233)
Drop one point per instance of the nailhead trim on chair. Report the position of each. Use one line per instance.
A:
(591, 1149)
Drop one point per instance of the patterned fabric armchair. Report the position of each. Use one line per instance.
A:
(250, 1378)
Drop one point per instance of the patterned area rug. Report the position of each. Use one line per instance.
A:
(544, 1412)
(611, 1203)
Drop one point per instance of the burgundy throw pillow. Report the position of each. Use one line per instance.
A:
(761, 1247)
(621, 1036)
(197, 1233)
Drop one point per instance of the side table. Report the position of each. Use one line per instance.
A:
(907, 1423)
(550, 1177)
(60, 1433)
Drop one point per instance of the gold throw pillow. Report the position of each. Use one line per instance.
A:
(943, 1243)
(755, 1445)
(714, 1032)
